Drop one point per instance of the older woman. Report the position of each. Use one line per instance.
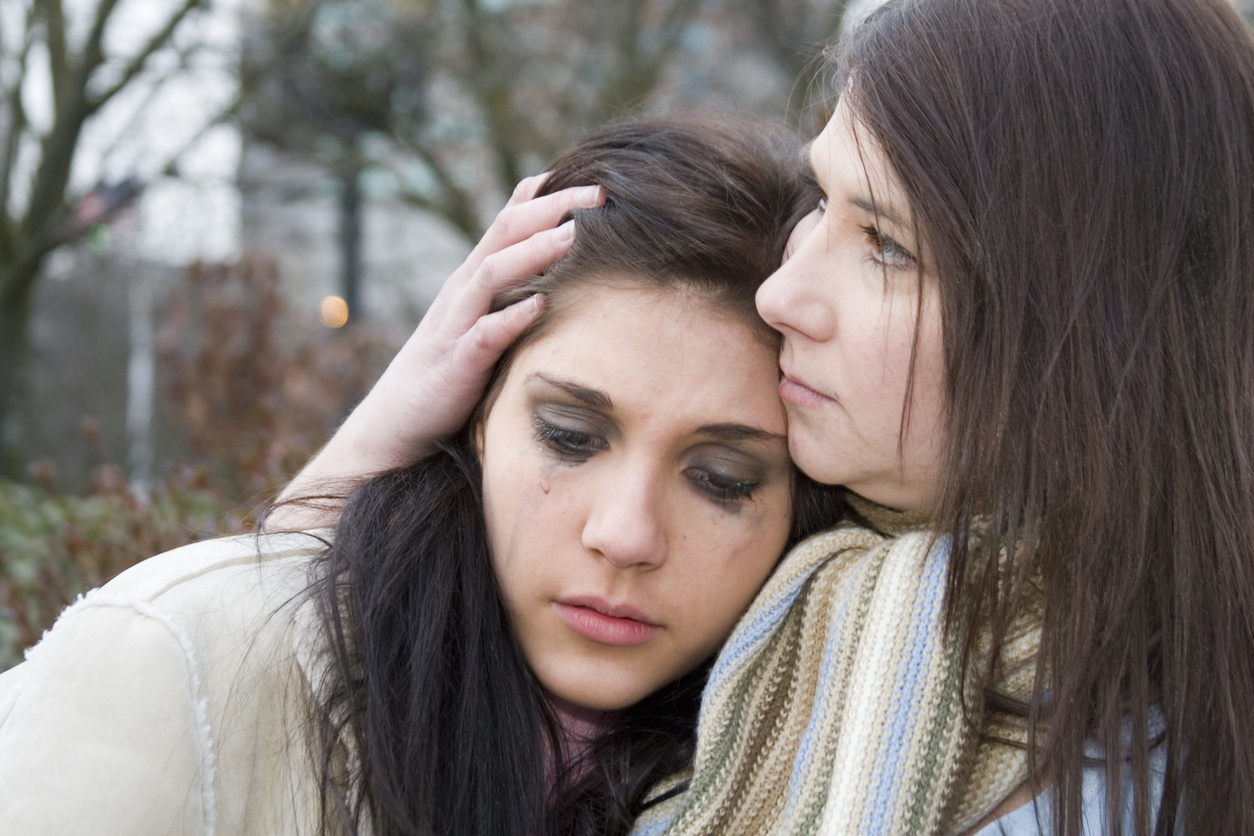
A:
(1024, 320)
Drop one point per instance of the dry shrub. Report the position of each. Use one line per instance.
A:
(54, 546)
(256, 393)
(254, 396)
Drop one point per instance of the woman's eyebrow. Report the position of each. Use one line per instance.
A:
(594, 398)
(738, 432)
(878, 209)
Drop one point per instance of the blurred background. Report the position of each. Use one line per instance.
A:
(220, 218)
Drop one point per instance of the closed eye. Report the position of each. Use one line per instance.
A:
(723, 490)
(568, 442)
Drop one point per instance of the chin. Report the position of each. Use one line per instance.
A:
(596, 692)
(814, 460)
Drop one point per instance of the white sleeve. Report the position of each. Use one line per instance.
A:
(104, 733)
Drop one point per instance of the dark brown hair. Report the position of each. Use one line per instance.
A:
(701, 227)
(447, 726)
(1082, 175)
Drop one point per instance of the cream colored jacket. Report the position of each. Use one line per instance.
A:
(169, 701)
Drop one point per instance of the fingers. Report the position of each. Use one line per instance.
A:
(492, 334)
(521, 242)
(527, 188)
(499, 270)
(522, 220)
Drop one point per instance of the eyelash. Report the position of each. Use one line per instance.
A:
(728, 492)
(577, 446)
(567, 443)
(888, 253)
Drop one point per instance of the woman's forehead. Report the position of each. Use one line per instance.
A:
(851, 167)
(654, 350)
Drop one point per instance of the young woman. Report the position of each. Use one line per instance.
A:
(507, 636)
(1024, 314)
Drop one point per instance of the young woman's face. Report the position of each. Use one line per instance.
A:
(637, 488)
(847, 301)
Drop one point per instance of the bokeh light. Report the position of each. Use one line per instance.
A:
(333, 312)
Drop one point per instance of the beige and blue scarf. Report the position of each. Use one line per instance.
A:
(837, 706)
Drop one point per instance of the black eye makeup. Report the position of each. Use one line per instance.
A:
(722, 465)
(567, 434)
(724, 491)
(724, 475)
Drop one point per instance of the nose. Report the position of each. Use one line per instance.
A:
(625, 524)
(790, 300)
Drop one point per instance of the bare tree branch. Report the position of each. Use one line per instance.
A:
(635, 75)
(13, 137)
(493, 96)
(58, 146)
(457, 206)
(170, 169)
(93, 47)
(676, 21)
(159, 40)
(140, 110)
(58, 53)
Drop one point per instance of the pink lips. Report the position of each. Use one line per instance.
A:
(606, 623)
(798, 393)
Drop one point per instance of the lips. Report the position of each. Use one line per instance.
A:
(615, 624)
(795, 392)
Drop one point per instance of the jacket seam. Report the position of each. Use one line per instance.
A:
(200, 705)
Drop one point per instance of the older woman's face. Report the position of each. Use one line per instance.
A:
(637, 489)
(847, 300)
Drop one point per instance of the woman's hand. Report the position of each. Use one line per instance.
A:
(432, 385)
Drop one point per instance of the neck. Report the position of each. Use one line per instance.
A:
(578, 727)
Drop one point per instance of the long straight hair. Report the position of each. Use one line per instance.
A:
(1082, 176)
(430, 721)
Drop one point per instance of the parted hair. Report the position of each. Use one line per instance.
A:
(1081, 173)
(431, 721)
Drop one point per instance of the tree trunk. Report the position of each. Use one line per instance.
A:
(350, 241)
(15, 369)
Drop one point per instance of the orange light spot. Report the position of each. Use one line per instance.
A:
(333, 312)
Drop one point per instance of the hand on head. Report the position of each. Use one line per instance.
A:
(432, 385)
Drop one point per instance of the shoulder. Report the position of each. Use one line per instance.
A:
(154, 692)
(204, 588)
(224, 607)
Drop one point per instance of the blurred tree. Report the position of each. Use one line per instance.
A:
(457, 100)
(796, 32)
(58, 72)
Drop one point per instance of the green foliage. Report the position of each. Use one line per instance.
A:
(54, 547)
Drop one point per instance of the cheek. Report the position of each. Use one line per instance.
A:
(522, 511)
(729, 564)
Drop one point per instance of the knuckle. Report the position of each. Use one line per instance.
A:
(505, 224)
(487, 271)
(482, 338)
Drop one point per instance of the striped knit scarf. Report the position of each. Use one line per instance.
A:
(835, 707)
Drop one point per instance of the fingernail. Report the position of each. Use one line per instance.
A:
(591, 196)
(535, 303)
(566, 232)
